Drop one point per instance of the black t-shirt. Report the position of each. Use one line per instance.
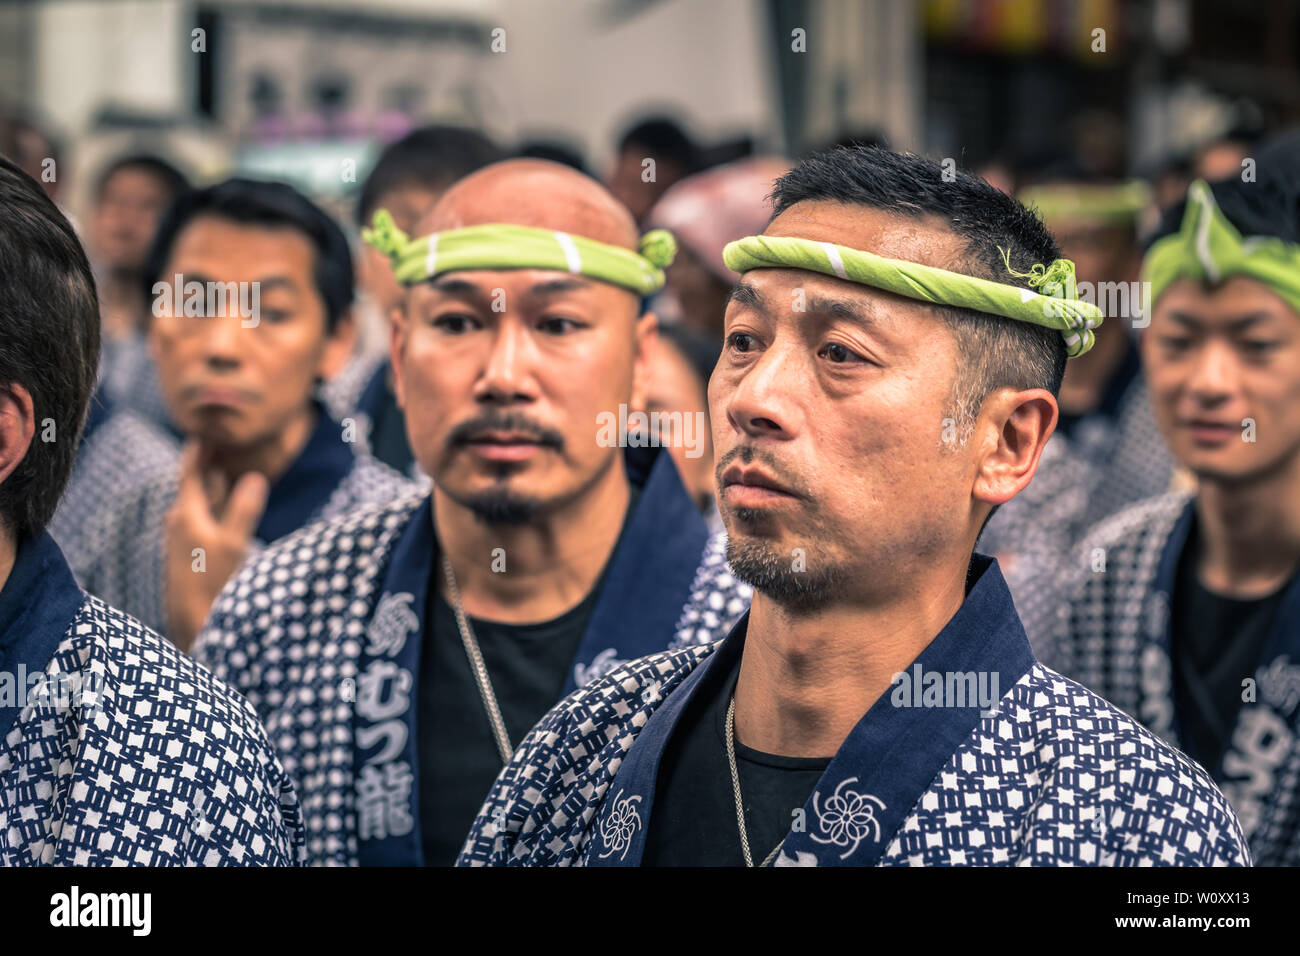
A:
(1216, 643)
(693, 822)
(528, 665)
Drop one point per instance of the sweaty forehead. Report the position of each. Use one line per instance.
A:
(923, 239)
(534, 193)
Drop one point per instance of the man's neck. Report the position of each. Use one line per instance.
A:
(121, 305)
(1248, 532)
(806, 680)
(550, 564)
(271, 457)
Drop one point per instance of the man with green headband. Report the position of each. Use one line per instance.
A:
(397, 655)
(887, 379)
(1187, 614)
(1106, 438)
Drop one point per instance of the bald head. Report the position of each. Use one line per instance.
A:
(534, 192)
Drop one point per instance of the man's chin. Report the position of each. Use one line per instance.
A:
(784, 574)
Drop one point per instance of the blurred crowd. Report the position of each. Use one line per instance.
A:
(328, 435)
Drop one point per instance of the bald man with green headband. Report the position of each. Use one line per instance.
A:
(888, 377)
(1187, 611)
(399, 655)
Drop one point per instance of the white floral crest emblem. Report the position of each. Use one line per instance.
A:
(600, 665)
(394, 620)
(847, 817)
(618, 828)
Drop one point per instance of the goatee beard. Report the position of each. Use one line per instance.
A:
(773, 574)
(502, 508)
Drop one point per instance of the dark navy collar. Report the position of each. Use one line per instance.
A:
(299, 493)
(645, 585)
(889, 758)
(37, 605)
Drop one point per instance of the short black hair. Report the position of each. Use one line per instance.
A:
(997, 352)
(1269, 206)
(553, 151)
(663, 138)
(173, 181)
(49, 343)
(433, 157)
(273, 206)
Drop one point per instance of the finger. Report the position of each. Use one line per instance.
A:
(190, 494)
(246, 504)
(215, 486)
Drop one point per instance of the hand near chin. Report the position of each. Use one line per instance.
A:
(208, 532)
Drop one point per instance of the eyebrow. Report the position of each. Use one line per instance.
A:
(746, 295)
(269, 283)
(469, 290)
(1240, 324)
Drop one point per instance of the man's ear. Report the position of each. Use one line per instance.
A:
(339, 345)
(647, 340)
(1013, 428)
(17, 427)
(396, 348)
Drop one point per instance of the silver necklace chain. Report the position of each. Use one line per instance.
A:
(735, 784)
(477, 665)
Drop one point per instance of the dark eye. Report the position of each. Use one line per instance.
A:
(740, 341)
(454, 323)
(276, 315)
(1258, 347)
(1175, 343)
(558, 325)
(839, 354)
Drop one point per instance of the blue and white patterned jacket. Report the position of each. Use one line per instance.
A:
(118, 750)
(1052, 776)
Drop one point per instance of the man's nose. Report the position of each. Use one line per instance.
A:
(508, 375)
(225, 336)
(1215, 373)
(765, 402)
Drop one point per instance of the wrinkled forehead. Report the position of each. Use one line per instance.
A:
(926, 239)
(1238, 303)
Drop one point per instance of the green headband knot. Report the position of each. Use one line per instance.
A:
(658, 247)
(384, 235)
(495, 246)
(1057, 306)
(1209, 249)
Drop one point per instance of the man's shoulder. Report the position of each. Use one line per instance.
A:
(145, 677)
(370, 481)
(1088, 749)
(717, 600)
(332, 566)
(164, 763)
(537, 810)
(359, 536)
(1144, 524)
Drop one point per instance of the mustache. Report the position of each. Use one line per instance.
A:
(748, 454)
(495, 421)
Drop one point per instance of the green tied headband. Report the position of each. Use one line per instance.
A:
(1208, 247)
(1118, 204)
(508, 246)
(1050, 302)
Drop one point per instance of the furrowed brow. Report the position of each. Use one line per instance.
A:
(747, 296)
